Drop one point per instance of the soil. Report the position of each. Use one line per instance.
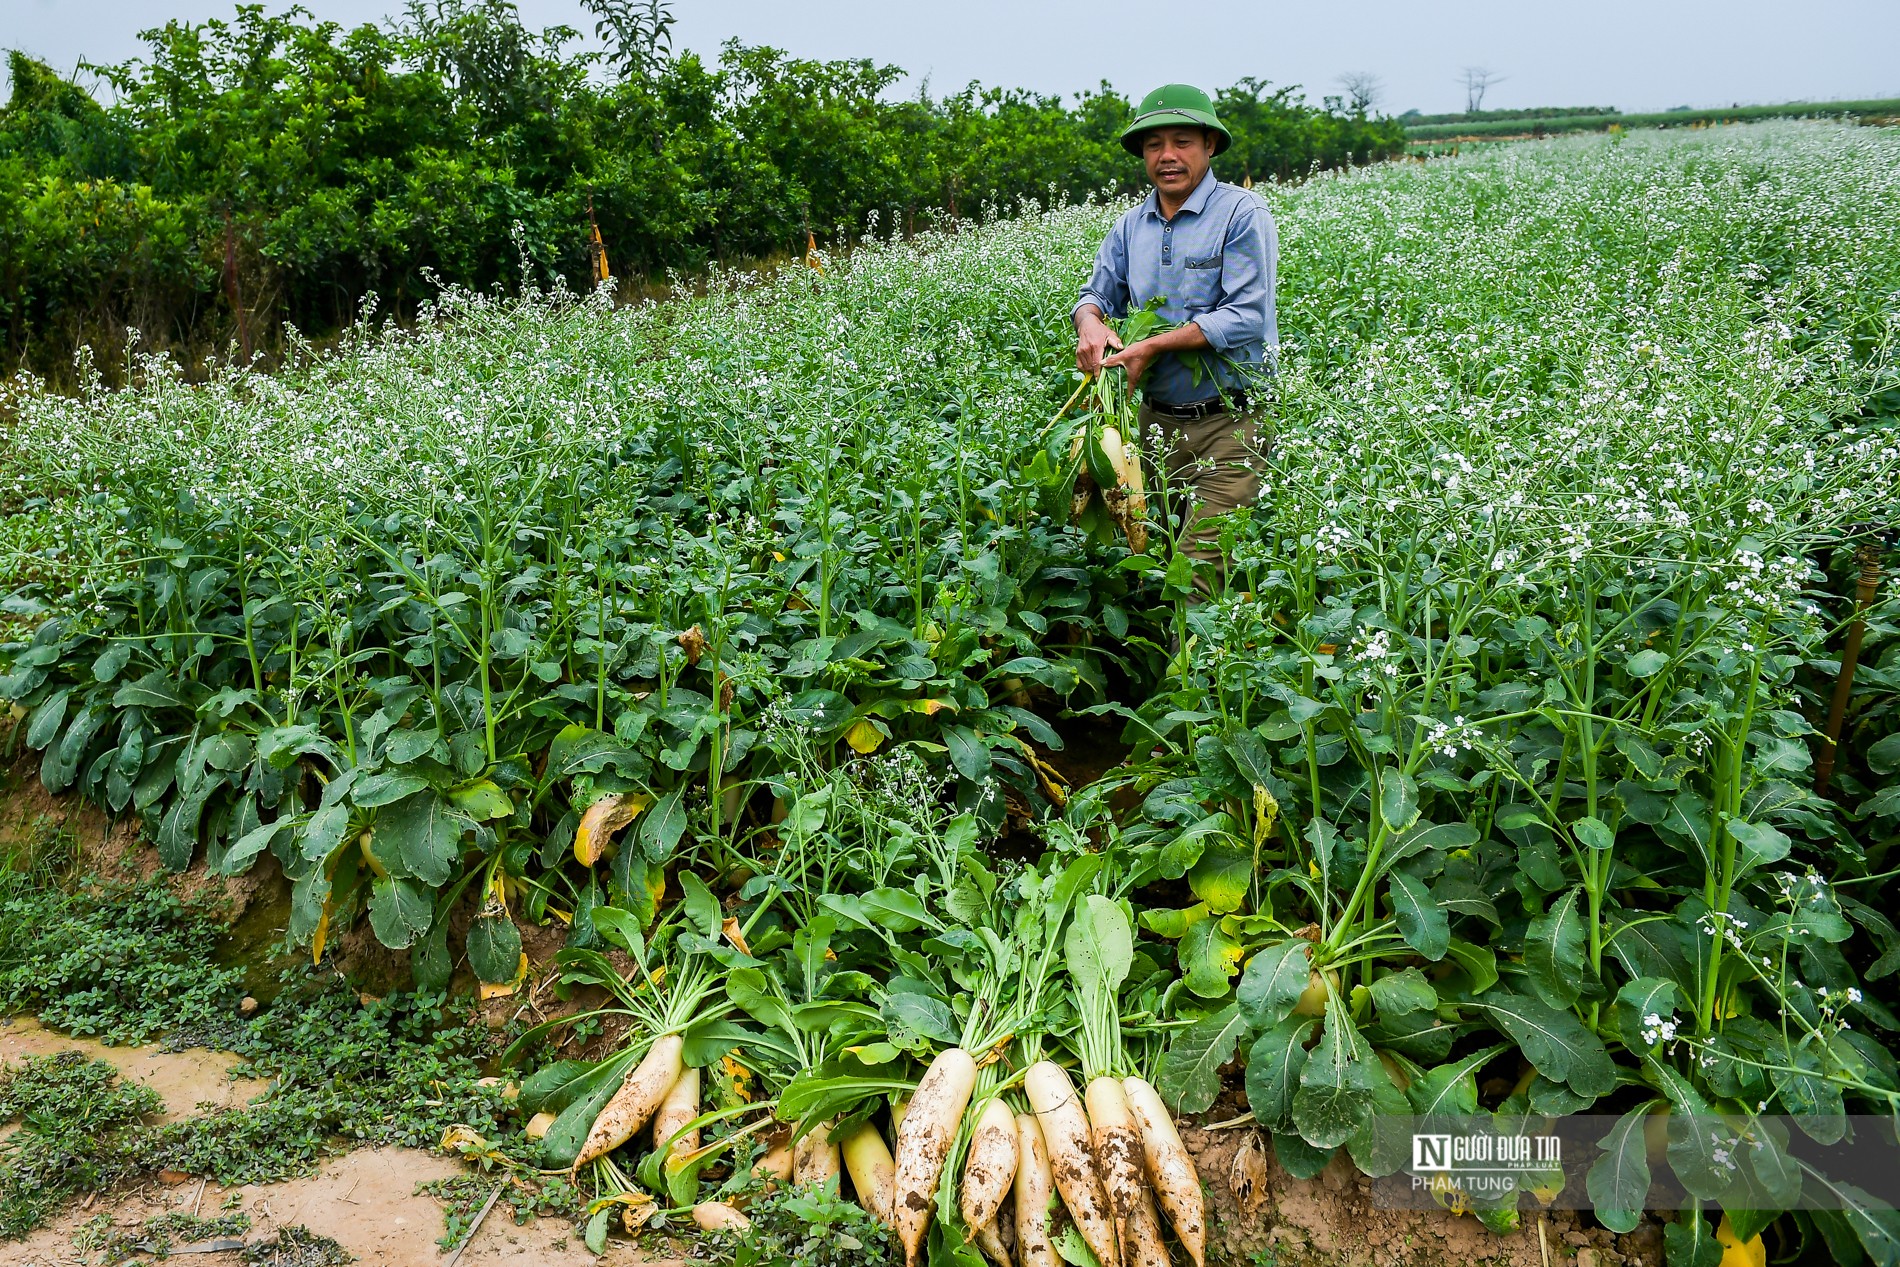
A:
(1257, 1213)
(365, 1201)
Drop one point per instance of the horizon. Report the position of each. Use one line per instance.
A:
(1692, 53)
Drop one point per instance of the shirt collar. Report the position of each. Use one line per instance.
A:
(1196, 201)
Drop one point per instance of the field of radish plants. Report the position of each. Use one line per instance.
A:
(745, 637)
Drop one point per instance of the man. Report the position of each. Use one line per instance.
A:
(1209, 250)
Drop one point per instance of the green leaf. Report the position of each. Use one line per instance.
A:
(322, 832)
(421, 837)
(1100, 947)
(1275, 978)
(1884, 756)
(1224, 873)
(1451, 1090)
(1594, 833)
(1335, 1095)
(1422, 921)
(400, 910)
(384, 789)
(1640, 998)
(111, 662)
(482, 801)
(45, 720)
(1646, 663)
(1764, 843)
(494, 948)
(662, 826)
(1189, 1078)
(1210, 956)
(1480, 964)
(178, 833)
(1618, 1181)
(237, 859)
(1274, 1063)
(1555, 1042)
(1398, 802)
(1400, 993)
(153, 691)
(919, 1014)
(1688, 1243)
(1554, 952)
(897, 910)
(967, 753)
(698, 904)
(1173, 924)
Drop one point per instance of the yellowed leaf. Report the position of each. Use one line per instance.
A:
(865, 736)
(502, 989)
(321, 936)
(733, 934)
(1266, 812)
(602, 821)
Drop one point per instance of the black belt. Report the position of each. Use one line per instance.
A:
(1236, 401)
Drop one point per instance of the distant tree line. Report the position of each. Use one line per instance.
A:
(273, 169)
(1412, 117)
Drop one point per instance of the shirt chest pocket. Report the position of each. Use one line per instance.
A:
(1200, 281)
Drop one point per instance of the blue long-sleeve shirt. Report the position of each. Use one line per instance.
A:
(1214, 263)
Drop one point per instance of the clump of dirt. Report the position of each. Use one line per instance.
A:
(1258, 1212)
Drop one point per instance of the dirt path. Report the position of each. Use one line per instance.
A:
(365, 1200)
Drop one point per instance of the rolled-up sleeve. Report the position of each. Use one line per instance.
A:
(1107, 286)
(1245, 314)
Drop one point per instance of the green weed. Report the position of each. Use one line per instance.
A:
(77, 1129)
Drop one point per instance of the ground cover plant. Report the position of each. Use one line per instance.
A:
(732, 634)
(131, 962)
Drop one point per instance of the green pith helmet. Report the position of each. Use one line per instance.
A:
(1174, 105)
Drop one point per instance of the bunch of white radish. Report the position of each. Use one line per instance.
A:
(1102, 1153)
(1114, 1145)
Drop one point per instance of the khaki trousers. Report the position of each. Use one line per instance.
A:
(1212, 466)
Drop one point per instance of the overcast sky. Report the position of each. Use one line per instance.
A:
(1632, 54)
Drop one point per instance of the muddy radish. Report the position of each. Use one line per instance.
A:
(815, 1158)
(636, 1102)
(1035, 1193)
(867, 1158)
(1065, 1132)
(680, 1106)
(923, 1141)
(1116, 1144)
(1176, 1185)
(990, 1167)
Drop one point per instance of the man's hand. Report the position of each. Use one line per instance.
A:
(1093, 338)
(1137, 357)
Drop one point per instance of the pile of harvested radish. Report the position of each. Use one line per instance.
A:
(954, 1121)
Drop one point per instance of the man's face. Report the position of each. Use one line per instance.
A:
(1177, 159)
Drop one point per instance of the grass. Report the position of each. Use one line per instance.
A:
(132, 962)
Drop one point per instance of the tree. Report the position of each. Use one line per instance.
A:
(1363, 90)
(640, 33)
(1476, 79)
